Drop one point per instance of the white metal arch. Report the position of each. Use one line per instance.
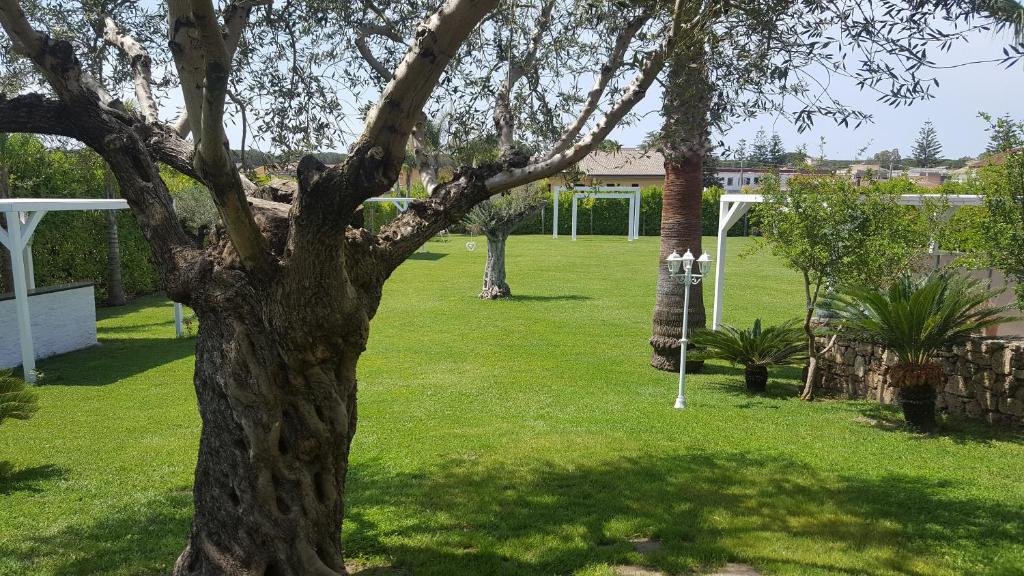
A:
(625, 192)
(732, 207)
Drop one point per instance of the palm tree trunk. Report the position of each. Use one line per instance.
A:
(6, 274)
(115, 284)
(680, 230)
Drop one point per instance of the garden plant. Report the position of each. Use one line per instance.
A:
(914, 319)
(755, 348)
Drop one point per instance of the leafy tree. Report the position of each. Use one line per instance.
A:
(776, 151)
(496, 219)
(1003, 229)
(833, 232)
(17, 401)
(887, 158)
(927, 148)
(760, 149)
(275, 376)
(1005, 133)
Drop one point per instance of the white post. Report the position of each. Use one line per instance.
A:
(554, 217)
(17, 250)
(574, 199)
(681, 398)
(636, 216)
(632, 217)
(723, 218)
(178, 318)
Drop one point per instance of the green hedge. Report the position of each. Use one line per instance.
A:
(72, 246)
(601, 217)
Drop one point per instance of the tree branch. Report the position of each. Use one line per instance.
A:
(615, 60)
(204, 64)
(141, 64)
(378, 67)
(503, 118)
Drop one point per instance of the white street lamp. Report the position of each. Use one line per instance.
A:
(687, 278)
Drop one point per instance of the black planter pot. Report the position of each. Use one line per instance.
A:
(918, 405)
(756, 378)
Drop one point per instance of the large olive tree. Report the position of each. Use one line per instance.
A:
(286, 296)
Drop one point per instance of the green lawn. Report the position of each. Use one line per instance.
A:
(525, 437)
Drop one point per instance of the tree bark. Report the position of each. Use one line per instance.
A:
(115, 285)
(495, 285)
(680, 230)
(278, 421)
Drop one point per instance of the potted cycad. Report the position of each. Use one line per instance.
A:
(914, 319)
(755, 349)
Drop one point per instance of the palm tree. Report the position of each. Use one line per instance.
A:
(914, 319)
(684, 140)
(755, 349)
(16, 400)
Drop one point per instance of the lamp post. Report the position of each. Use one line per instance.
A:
(687, 278)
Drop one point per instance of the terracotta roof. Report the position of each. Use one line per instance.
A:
(625, 162)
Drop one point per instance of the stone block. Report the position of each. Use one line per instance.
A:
(1002, 362)
(988, 400)
(973, 409)
(1018, 375)
(1011, 406)
(858, 367)
(956, 385)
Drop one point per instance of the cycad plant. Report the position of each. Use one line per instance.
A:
(755, 348)
(16, 400)
(915, 318)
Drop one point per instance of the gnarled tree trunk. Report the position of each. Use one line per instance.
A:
(495, 285)
(278, 421)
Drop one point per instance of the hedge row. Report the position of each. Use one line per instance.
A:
(594, 216)
(72, 246)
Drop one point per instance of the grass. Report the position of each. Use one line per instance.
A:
(526, 437)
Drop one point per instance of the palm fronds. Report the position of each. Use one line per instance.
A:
(16, 400)
(782, 344)
(916, 317)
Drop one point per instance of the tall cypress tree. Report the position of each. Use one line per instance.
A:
(927, 146)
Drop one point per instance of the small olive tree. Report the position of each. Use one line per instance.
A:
(496, 219)
(833, 232)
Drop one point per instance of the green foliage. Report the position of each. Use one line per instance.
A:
(834, 232)
(927, 148)
(72, 246)
(1003, 230)
(17, 401)
(781, 344)
(914, 318)
(502, 214)
(1005, 133)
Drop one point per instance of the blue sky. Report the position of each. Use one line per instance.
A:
(962, 93)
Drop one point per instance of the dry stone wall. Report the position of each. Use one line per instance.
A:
(983, 378)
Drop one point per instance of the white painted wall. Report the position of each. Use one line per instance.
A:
(62, 321)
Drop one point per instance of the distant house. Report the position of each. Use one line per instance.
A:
(628, 167)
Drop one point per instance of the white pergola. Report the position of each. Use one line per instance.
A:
(621, 192)
(400, 202)
(732, 207)
(23, 215)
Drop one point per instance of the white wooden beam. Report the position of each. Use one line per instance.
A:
(17, 245)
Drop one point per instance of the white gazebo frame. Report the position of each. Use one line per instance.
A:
(23, 215)
(601, 192)
(400, 202)
(732, 207)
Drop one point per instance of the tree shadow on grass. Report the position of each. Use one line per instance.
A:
(113, 360)
(956, 428)
(706, 509)
(26, 479)
(429, 256)
(552, 298)
(468, 516)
